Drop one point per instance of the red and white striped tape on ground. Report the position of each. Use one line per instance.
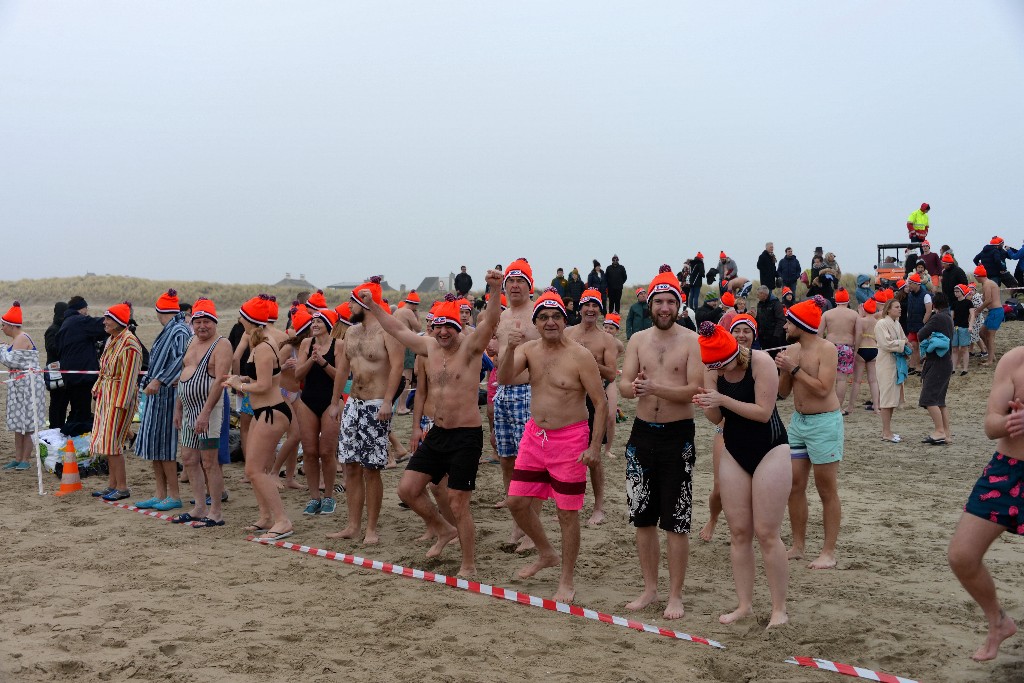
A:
(846, 669)
(484, 589)
(149, 513)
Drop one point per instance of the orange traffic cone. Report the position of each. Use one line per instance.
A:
(69, 479)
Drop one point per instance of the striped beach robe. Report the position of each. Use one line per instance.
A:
(158, 439)
(116, 393)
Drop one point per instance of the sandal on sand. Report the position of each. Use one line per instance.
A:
(206, 523)
(275, 535)
(253, 527)
(895, 439)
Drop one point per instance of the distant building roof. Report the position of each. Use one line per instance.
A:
(292, 283)
(431, 284)
(352, 285)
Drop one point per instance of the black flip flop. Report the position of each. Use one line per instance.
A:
(206, 523)
(183, 518)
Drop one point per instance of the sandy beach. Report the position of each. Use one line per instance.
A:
(98, 593)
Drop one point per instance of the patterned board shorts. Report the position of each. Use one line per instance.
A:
(363, 438)
(659, 474)
(998, 496)
(511, 412)
(846, 359)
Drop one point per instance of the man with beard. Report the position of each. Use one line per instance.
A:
(589, 335)
(663, 369)
(808, 370)
(375, 359)
(454, 444)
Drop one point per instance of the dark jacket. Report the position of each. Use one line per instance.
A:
(706, 312)
(463, 283)
(994, 259)
(687, 322)
(574, 290)
(598, 281)
(615, 275)
(638, 318)
(76, 344)
(559, 284)
(696, 272)
(766, 269)
(789, 269)
(50, 336)
(770, 321)
(951, 277)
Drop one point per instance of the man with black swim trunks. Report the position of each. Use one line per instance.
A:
(995, 504)
(663, 369)
(452, 447)
(602, 346)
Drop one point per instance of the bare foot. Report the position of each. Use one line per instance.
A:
(564, 594)
(795, 553)
(466, 572)
(501, 504)
(708, 532)
(347, 532)
(674, 609)
(646, 598)
(542, 562)
(392, 465)
(778, 619)
(824, 561)
(443, 539)
(428, 535)
(280, 485)
(371, 538)
(292, 484)
(596, 518)
(990, 648)
(736, 615)
(245, 481)
(526, 545)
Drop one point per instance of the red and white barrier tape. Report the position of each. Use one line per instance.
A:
(485, 589)
(43, 371)
(848, 670)
(149, 513)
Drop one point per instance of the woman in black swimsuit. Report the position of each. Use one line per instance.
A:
(319, 432)
(260, 378)
(754, 472)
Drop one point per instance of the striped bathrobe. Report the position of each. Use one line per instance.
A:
(116, 393)
(158, 439)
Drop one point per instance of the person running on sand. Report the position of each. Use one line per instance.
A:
(816, 432)
(556, 447)
(271, 416)
(453, 445)
(839, 326)
(994, 505)
(744, 331)
(593, 339)
(662, 369)
(740, 387)
(199, 414)
(375, 359)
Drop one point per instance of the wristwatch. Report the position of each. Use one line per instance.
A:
(794, 371)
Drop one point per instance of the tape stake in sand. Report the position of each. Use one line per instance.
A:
(147, 513)
(847, 670)
(484, 589)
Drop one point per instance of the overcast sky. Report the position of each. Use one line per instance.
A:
(235, 141)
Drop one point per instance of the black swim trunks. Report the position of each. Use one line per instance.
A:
(455, 452)
(659, 474)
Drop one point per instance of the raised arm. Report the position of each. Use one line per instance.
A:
(512, 361)
(487, 323)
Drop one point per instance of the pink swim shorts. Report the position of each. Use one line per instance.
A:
(547, 466)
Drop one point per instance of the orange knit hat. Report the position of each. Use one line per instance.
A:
(447, 313)
(948, 258)
(519, 268)
(329, 317)
(665, 281)
(433, 311)
(204, 308)
(376, 293)
(344, 311)
(413, 298)
(168, 302)
(901, 283)
(301, 319)
(842, 296)
(549, 299)
(13, 315)
(613, 319)
(743, 319)
(718, 348)
(699, 255)
(722, 255)
(786, 290)
(870, 306)
(807, 314)
(464, 304)
(274, 310)
(916, 279)
(120, 313)
(639, 291)
(591, 294)
(257, 309)
(318, 302)
(996, 241)
(964, 290)
(729, 299)
(980, 271)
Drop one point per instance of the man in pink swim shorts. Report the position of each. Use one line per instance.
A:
(556, 447)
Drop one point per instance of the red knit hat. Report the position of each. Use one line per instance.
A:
(592, 294)
(433, 310)
(376, 293)
(729, 299)
(916, 279)
(996, 241)
(275, 311)
(948, 258)
(925, 207)
(413, 298)
(901, 283)
(447, 313)
(549, 299)
(786, 290)
(519, 268)
(722, 255)
(963, 289)
(870, 306)
(329, 317)
(464, 304)
(257, 309)
(807, 314)
(168, 302)
(665, 281)
(318, 302)
(120, 313)
(301, 319)
(204, 308)
(344, 311)
(699, 255)
(13, 315)
(718, 348)
(980, 271)
(613, 319)
(743, 319)
(842, 296)
(639, 291)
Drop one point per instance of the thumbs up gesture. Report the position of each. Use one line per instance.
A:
(515, 335)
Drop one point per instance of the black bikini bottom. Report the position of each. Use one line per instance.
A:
(281, 407)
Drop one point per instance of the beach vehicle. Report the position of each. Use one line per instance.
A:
(889, 267)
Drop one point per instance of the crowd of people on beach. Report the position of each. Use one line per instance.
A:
(554, 366)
